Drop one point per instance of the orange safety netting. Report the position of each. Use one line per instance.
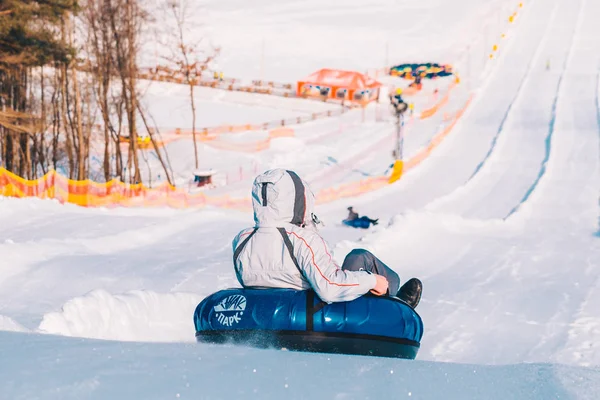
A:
(437, 139)
(209, 135)
(431, 111)
(116, 193)
(252, 147)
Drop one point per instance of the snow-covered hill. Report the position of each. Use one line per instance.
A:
(501, 223)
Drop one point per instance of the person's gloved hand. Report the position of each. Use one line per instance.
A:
(381, 287)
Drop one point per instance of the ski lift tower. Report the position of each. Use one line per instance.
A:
(399, 108)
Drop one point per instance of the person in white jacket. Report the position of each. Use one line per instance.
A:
(284, 249)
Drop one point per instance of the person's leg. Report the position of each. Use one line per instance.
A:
(364, 260)
(362, 222)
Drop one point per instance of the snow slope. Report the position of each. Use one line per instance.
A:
(285, 42)
(501, 223)
(528, 276)
(43, 367)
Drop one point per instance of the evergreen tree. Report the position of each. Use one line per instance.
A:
(30, 32)
(31, 35)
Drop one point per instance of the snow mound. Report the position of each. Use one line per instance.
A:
(135, 316)
(9, 324)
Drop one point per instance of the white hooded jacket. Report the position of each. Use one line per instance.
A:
(284, 225)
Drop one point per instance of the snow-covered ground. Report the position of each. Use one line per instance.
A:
(327, 151)
(285, 41)
(170, 106)
(44, 367)
(288, 41)
(501, 223)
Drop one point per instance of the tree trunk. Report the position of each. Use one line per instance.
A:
(125, 55)
(194, 123)
(132, 71)
(2, 146)
(27, 156)
(119, 153)
(56, 118)
(79, 127)
(40, 157)
(156, 148)
(10, 153)
(65, 124)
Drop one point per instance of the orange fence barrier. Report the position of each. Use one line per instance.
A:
(224, 129)
(353, 189)
(115, 193)
(401, 166)
(211, 134)
(437, 139)
(429, 112)
(110, 194)
(252, 147)
(165, 74)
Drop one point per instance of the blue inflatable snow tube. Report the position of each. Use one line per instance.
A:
(362, 223)
(299, 320)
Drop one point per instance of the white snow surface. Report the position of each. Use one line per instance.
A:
(501, 223)
(285, 42)
(134, 316)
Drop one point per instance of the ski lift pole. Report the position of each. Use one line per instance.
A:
(400, 138)
(399, 151)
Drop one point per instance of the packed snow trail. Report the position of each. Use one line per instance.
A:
(458, 157)
(565, 201)
(567, 193)
(533, 279)
(518, 160)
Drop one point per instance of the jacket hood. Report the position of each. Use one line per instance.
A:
(279, 196)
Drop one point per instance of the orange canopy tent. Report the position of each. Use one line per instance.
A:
(341, 85)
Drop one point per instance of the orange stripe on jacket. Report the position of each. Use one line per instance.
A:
(325, 246)
(316, 266)
(244, 234)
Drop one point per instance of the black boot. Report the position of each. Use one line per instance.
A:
(410, 292)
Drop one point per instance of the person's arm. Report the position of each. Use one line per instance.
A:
(328, 280)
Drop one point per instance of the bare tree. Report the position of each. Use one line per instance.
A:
(180, 9)
(54, 84)
(157, 149)
(189, 56)
(100, 49)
